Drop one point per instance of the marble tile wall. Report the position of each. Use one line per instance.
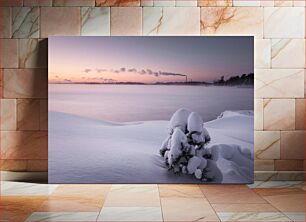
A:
(278, 27)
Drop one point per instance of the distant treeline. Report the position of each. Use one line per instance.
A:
(182, 83)
(244, 79)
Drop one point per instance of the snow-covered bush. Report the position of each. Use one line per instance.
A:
(184, 148)
(178, 120)
(197, 134)
(178, 145)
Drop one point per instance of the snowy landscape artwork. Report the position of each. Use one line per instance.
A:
(151, 109)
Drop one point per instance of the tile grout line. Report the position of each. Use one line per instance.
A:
(278, 210)
(161, 209)
(104, 202)
(209, 203)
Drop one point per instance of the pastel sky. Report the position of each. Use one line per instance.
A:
(148, 59)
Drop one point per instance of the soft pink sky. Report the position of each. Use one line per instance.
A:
(148, 59)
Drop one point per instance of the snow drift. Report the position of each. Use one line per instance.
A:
(84, 150)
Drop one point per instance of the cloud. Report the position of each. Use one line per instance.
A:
(149, 71)
(110, 80)
(170, 74)
(142, 72)
(87, 70)
(137, 71)
(132, 70)
(114, 70)
(101, 70)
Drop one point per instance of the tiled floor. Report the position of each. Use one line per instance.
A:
(269, 201)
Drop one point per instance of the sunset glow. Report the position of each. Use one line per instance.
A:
(147, 59)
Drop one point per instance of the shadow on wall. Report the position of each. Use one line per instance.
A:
(27, 148)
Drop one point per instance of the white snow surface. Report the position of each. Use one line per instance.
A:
(84, 150)
(179, 120)
(178, 143)
(195, 123)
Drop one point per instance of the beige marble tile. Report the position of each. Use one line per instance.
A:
(71, 204)
(91, 191)
(300, 114)
(248, 3)
(230, 194)
(284, 3)
(133, 196)
(130, 214)
(295, 216)
(8, 53)
(171, 21)
(292, 144)
(25, 83)
(24, 145)
(263, 207)
(25, 22)
(253, 216)
(279, 83)
(299, 3)
(27, 114)
(279, 176)
(232, 21)
(279, 114)
(186, 3)
(51, 17)
(73, 2)
(258, 117)
(264, 165)
(26, 189)
(286, 200)
(163, 3)
(37, 2)
(220, 3)
(33, 53)
(5, 22)
(123, 3)
(146, 2)
(5, 3)
(37, 165)
(63, 216)
(1, 83)
(8, 114)
(262, 53)
(267, 3)
(183, 191)
(187, 209)
(13, 165)
(43, 114)
(18, 208)
(276, 184)
(288, 53)
(267, 145)
(278, 192)
(126, 21)
(304, 83)
(289, 165)
(278, 22)
(95, 21)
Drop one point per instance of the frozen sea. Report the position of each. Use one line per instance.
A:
(112, 133)
(126, 103)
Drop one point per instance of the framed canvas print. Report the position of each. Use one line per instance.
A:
(151, 109)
